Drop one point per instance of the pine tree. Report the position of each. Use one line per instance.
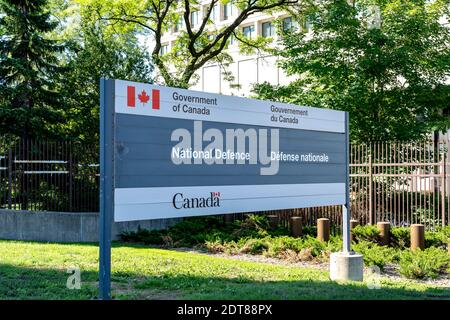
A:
(29, 70)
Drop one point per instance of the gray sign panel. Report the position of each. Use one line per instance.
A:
(183, 153)
(144, 146)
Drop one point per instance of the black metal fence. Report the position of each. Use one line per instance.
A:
(50, 176)
(402, 183)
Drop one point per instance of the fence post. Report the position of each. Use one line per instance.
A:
(273, 221)
(371, 218)
(353, 223)
(228, 218)
(443, 192)
(70, 178)
(10, 178)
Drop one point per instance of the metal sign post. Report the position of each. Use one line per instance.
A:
(346, 265)
(106, 185)
(346, 216)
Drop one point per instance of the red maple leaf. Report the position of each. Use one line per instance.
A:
(143, 97)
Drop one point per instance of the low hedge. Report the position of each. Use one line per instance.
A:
(427, 263)
(253, 236)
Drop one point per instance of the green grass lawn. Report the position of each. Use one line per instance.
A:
(30, 270)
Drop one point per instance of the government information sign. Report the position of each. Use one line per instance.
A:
(169, 152)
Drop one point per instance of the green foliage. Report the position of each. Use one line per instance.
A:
(366, 233)
(425, 216)
(252, 236)
(446, 230)
(427, 263)
(374, 254)
(98, 54)
(444, 233)
(193, 45)
(255, 226)
(50, 67)
(197, 230)
(213, 231)
(144, 236)
(436, 239)
(335, 244)
(253, 246)
(30, 103)
(401, 237)
(310, 231)
(278, 245)
(282, 247)
(391, 77)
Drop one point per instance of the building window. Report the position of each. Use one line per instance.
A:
(308, 24)
(288, 24)
(446, 111)
(227, 11)
(249, 31)
(267, 29)
(164, 49)
(214, 13)
(178, 25)
(232, 39)
(194, 18)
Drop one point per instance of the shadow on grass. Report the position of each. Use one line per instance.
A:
(114, 244)
(18, 282)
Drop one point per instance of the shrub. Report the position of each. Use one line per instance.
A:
(253, 226)
(436, 239)
(374, 254)
(215, 246)
(197, 230)
(309, 231)
(400, 237)
(366, 233)
(316, 246)
(427, 263)
(281, 247)
(335, 244)
(293, 256)
(145, 236)
(446, 231)
(275, 246)
(253, 246)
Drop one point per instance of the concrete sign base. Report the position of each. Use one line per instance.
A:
(346, 266)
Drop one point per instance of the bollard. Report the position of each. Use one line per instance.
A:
(384, 228)
(323, 229)
(417, 236)
(296, 226)
(353, 223)
(273, 221)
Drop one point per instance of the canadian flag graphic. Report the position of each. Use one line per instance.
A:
(142, 96)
